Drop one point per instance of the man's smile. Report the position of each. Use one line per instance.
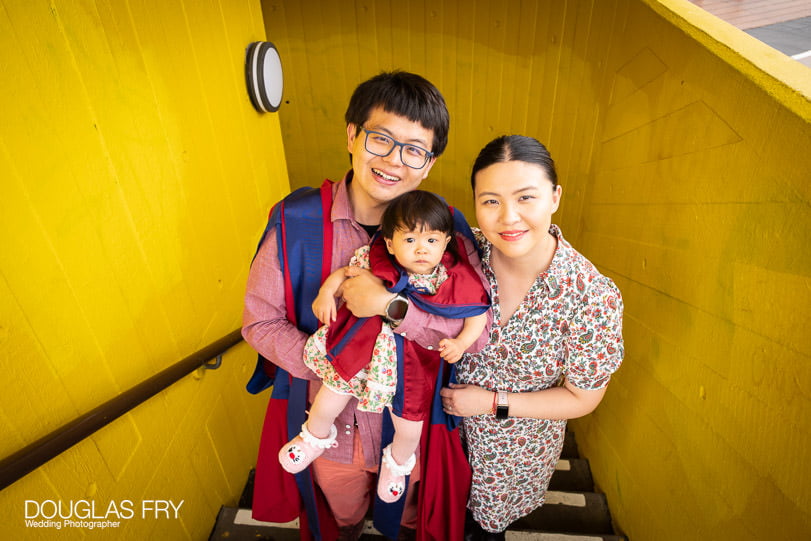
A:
(384, 176)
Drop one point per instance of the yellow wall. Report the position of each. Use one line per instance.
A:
(135, 178)
(685, 166)
(699, 207)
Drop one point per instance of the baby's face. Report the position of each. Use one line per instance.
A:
(418, 251)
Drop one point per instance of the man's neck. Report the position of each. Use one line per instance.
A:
(365, 210)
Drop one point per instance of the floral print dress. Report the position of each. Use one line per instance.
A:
(569, 325)
(374, 386)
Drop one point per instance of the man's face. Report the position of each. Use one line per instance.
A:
(379, 179)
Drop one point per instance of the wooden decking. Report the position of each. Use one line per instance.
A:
(746, 14)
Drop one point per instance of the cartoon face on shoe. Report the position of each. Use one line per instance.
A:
(396, 489)
(295, 454)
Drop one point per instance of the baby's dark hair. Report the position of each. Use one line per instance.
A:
(419, 210)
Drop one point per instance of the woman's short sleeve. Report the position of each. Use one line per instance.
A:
(595, 346)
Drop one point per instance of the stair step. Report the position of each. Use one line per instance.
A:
(569, 446)
(521, 535)
(572, 474)
(571, 508)
(571, 512)
(235, 524)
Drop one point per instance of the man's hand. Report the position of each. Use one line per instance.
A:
(364, 293)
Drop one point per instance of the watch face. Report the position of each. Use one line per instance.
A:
(502, 412)
(397, 308)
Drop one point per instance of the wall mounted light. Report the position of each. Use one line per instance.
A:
(263, 74)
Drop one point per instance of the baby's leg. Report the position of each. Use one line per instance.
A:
(325, 408)
(317, 434)
(398, 459)
(406, 438)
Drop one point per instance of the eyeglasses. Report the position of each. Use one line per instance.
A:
(381, 144)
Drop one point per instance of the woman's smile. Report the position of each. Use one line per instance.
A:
(512, 236)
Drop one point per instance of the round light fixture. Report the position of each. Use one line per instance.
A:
(263, 74)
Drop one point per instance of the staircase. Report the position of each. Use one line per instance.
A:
(572, 512)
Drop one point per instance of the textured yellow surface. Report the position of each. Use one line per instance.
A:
(136, 179)
(699, 206)
(682, 146)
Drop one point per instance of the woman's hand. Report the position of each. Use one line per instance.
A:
(364, 293)
(466, 400)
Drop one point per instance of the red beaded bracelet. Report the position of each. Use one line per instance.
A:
(493, 408)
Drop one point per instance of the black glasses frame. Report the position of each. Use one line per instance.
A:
(395, 144)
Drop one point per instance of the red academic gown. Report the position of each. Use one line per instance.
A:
(351, 340)
(304, 243)
(445, 473)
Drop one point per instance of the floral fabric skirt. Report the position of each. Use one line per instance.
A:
(373, 386)
(513, 461)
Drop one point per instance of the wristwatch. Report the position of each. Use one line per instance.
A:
(502, 406)
(396, 309)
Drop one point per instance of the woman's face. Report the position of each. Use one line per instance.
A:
(514, 205)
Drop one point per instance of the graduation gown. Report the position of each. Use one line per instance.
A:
(304, 235)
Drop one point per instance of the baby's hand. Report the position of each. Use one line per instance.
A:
(450, 350)
(324, 308)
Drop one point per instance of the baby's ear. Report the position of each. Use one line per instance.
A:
(388, 246)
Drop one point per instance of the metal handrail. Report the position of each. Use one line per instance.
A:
(31, 457)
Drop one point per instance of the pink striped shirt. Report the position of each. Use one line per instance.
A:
(267, 330)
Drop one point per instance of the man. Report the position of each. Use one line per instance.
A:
(411, 113)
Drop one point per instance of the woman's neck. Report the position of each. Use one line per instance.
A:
(516, 275)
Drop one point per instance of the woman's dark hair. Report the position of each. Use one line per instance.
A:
(514, 148)
(403, 94)
(419, 210)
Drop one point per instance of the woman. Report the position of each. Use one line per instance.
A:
(556, 337)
